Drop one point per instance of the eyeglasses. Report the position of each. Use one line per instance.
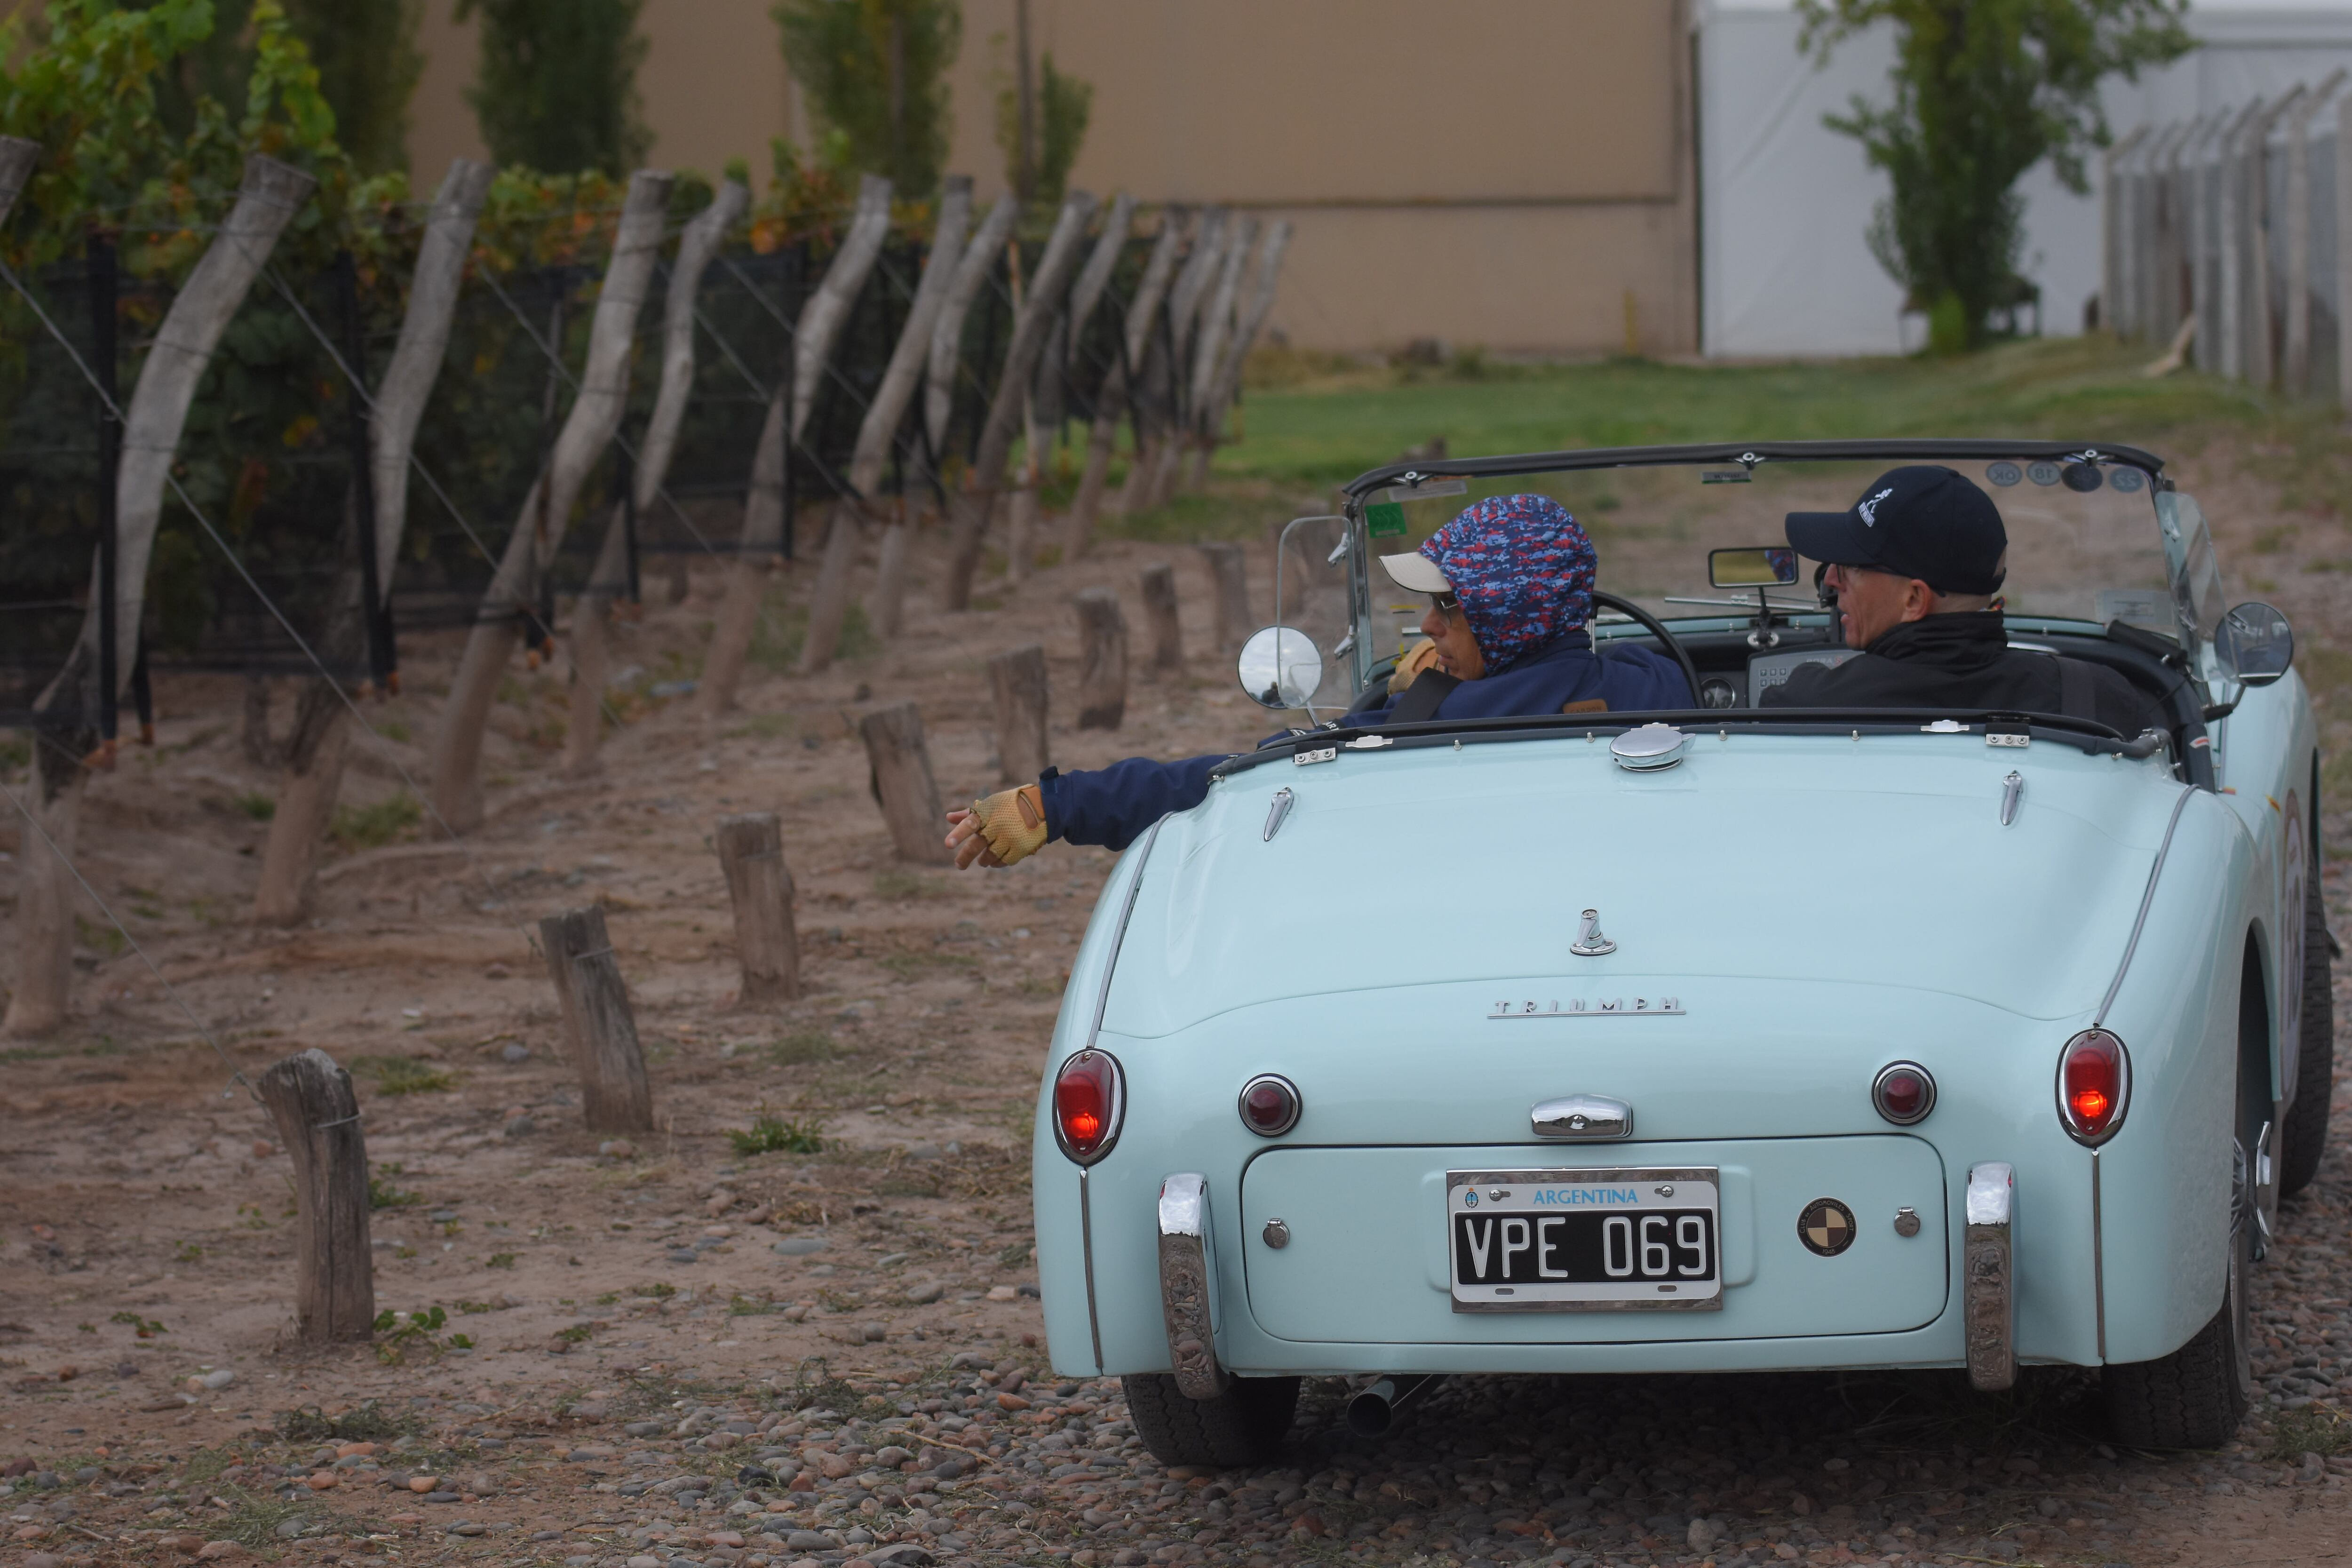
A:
(1445, 605)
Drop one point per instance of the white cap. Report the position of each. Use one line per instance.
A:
(1416, 574)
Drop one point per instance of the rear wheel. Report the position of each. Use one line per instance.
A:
(1243, 1426)
(2314, 1075)
(2196, 1397)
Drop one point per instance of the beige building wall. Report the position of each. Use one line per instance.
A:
(1514, 173)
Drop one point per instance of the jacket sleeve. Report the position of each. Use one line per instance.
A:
(1112, 807)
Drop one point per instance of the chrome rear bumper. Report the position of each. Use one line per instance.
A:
(1186, 1289)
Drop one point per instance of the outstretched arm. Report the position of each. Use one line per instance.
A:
(1110, 806)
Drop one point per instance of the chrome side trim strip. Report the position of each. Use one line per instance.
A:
(1086, 1244)
(1186, 1294)
(1988, 1277)
(1094, 1032)
(2147, 900)
(2098, 1257)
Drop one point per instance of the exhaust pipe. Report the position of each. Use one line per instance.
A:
(1374, 1413)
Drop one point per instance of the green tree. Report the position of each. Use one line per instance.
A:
(1984, 89)
(366, 56)
(875, 71)
(368, 68)
(1065, 104)
(557, 86)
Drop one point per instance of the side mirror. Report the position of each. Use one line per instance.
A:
(2254, 645)
(1280, 667)
(1761, 566)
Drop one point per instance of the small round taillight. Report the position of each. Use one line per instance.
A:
(1904, 1092)
(1089, 1096)
(2093, 1086)
(1269, 1105)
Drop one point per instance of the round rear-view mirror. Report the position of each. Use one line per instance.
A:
(2254, 645)
(1280, 667)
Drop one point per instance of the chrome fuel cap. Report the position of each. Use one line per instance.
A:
(1649, 747)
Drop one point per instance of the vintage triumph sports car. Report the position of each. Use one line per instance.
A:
(1739, 1038)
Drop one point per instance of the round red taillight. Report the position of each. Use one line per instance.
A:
(1904, 1092)
(1269, 1105)
(2093, 1086)
(1087, 1099)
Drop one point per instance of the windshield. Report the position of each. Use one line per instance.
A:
(2085, 547)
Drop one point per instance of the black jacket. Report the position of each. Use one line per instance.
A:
(1964, 661)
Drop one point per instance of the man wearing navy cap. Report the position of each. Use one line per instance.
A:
(1915, 563)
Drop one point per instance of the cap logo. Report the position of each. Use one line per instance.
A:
(1869, 508)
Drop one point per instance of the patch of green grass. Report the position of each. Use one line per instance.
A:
(803, 1046)
(256, 804)
(145, 1328)
(15, 753)
(400, 1335)
(393, 729)
(898, 882)
(404, 1075)
(778, 1135)
(372, 826)
(658, 1291)
(104, 939)
(499, 1260)
(1013, 1256)
(906, 965)
(253, 1520)
(763, 727)
(745, 1307)
(2314, 1429)
(383, 1194)
(367, 1422)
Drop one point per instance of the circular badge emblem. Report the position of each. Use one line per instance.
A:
(1826, 1227)
(2004, 474)
(2041, 473)
(2126, 480)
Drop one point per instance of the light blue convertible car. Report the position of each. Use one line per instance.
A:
(1734, 1039)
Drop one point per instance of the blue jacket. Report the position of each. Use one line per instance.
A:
(1113, 806)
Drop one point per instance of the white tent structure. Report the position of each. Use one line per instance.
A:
(1784, 202)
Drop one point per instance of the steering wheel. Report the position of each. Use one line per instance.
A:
(1657, 629)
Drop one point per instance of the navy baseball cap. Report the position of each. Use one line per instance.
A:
(1920, 521)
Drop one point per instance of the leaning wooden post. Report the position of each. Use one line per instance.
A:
(823, 316)
(752, 850)
(1102, 659)
(904, 783)
(588, 428)
(597, 1021)
(1229, 569)
(1160, 615)
(1118, 394)
(318, 1116)
(1018, 680)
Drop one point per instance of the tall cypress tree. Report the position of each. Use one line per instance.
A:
(368, 68)
(875, 70)
(557, 86)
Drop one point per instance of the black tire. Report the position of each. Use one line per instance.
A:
(2306, 1133)
(2197, 1396)
(1243, 1426)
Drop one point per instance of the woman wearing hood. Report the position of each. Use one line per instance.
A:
(1509, 582)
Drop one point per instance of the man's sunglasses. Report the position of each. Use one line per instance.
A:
(1445, 605)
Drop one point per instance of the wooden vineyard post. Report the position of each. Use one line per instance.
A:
(1018, 678)
(597, 1021)
(1159, 616)
(1229, 569)
(904, 783)
(752, 850)
(1102, 659)
(318, 1116)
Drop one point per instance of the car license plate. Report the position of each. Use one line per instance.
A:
(1584, 1240)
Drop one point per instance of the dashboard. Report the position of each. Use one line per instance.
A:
(1746, 687)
